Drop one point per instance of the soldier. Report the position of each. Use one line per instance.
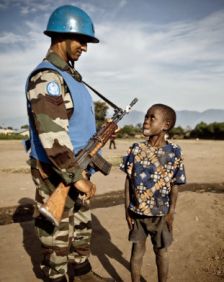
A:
(61, 119)
(112, 139)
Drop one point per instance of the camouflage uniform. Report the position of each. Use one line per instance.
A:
(70, 242)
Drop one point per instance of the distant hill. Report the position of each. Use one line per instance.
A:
(184, 118)
(192, 118)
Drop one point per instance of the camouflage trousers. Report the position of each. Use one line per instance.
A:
(70, 241)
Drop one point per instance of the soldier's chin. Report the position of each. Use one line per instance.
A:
(146, 132)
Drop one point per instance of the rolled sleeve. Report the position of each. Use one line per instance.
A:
(71, 176)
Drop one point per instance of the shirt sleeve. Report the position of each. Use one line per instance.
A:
(179, 177)
(49, 116)
(128, 162)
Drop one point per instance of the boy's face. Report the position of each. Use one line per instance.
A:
(154, 123)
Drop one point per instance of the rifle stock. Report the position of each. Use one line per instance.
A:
(54, 207)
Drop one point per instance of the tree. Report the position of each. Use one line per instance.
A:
(128, 131)
(177, 132)
(219, 130)
(213, 130)
(200, 131)
(25, 126)
(100, 113)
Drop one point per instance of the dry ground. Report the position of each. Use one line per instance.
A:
(197, 253)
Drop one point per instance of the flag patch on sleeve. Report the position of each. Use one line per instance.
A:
(53, 89)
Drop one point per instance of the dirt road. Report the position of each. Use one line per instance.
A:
(197, 253)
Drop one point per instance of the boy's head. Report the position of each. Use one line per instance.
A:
(159, 119)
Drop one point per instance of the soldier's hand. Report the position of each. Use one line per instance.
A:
(85, 175)
(87, 187)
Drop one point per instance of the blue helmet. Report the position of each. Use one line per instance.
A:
(71, 20)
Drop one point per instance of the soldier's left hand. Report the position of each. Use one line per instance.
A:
(87, 187)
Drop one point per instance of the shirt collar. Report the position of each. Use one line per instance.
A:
(57, 61)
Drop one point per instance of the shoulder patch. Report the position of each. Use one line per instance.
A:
(53, 89)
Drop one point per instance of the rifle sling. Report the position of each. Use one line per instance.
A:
(54, 59)
(101, 96)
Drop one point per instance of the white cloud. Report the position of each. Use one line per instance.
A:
(179, 56)
(7, 38)
(180, 64)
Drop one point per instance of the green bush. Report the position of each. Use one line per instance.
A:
(129, 131)
(12, 136)
(177, 132)
(213, 130)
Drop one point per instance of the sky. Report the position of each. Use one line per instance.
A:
(160, 51)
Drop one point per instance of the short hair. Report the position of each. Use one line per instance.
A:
(169, 114)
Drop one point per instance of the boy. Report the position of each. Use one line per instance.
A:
(154, 170)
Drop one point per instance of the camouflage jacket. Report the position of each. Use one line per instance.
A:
(48, 112)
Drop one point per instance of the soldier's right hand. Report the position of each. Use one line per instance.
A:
(87, 187)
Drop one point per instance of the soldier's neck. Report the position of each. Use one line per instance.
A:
(59, 50)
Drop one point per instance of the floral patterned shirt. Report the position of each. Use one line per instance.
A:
(153, 171)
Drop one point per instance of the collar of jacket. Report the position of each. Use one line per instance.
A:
(57, 61)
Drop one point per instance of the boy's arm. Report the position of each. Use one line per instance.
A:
(173, 198)
(127, 202)
(173, 201)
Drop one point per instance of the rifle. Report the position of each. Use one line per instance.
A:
(54, 207)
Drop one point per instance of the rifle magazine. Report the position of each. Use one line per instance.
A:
(101, 164)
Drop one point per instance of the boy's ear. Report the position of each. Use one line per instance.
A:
(166, 125)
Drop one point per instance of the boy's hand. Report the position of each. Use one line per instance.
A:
(87, 187)
(130, 220)
(169, 220)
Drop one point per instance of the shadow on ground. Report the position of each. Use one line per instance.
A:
(103, 247)
(31, 242)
